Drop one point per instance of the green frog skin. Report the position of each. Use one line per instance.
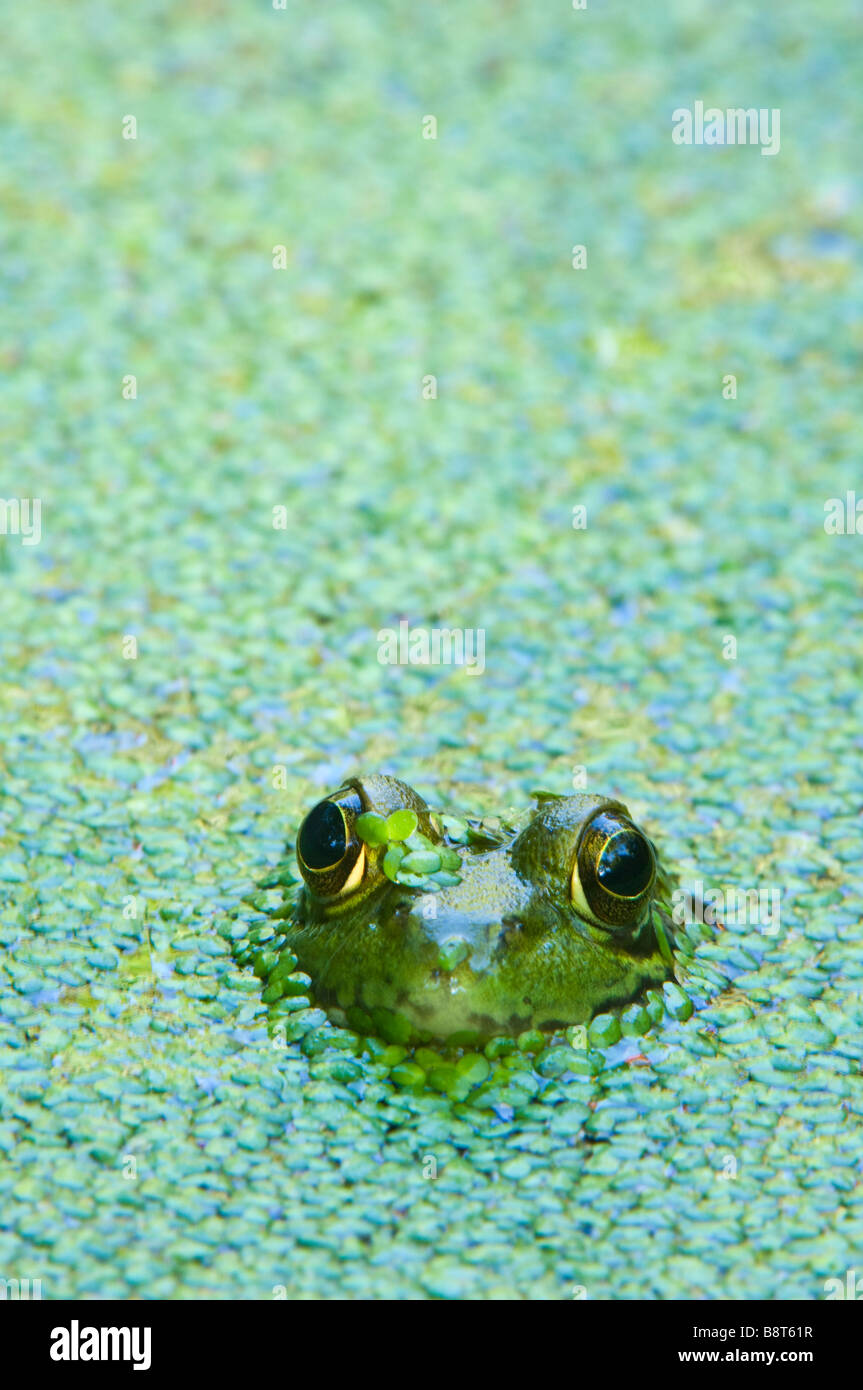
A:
(542, 925)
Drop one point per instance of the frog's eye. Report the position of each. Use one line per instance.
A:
(331, 856)
(614, 871)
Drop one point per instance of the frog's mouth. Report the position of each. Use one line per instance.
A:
(488, 974)
(476, 983)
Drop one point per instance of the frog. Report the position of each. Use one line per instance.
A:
(466, 930)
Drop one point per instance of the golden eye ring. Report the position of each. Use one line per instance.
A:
(613, 872)
(330, 854)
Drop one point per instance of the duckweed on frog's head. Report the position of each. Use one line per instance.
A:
(475, 929)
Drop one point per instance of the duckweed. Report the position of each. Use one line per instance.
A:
(286, 481)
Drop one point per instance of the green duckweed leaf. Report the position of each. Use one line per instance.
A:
(456, 830)
(421, 861)
(372, 828)
(392, 861)
(401, 824)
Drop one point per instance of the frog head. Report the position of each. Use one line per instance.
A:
(465, 930)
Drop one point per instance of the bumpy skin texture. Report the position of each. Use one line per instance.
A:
(531, 959)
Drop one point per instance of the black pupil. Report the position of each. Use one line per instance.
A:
(625, 866)
(323, 840)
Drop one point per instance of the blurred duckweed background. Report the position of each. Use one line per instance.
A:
(326, 310)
